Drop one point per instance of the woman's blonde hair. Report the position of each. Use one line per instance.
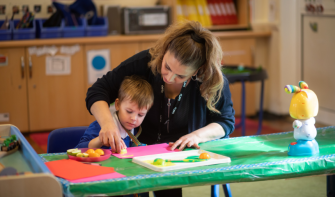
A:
(193, 45)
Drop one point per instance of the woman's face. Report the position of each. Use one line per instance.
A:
(173, 72)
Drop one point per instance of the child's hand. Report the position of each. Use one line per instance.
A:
(189, 140)
(110, 136)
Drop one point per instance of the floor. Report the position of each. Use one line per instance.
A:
(305, 187)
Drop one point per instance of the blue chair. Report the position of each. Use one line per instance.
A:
(60, 140)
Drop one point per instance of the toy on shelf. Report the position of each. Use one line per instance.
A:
(304, 107)
(8, 145)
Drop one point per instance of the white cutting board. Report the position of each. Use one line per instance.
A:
(147, 161)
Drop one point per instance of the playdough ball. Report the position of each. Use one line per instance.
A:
(158, 162)
(85, 154)
(99, 151)
(69, 151)
(80, 155)
(75, 152)
(204, 156)
(93, 155)
(123, 151)
(90, 151)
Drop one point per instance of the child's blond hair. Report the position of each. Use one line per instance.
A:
(137, 90)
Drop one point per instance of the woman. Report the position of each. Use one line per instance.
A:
(192, 101)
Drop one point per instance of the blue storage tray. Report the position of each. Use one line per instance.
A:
(48, 32)
(6, 34)
(24, 33)
(75, 31)
(99, 29)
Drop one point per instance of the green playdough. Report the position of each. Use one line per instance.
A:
(158, 162)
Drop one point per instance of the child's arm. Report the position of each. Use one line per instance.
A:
(95, 143)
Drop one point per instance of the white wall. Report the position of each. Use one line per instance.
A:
(280, 17)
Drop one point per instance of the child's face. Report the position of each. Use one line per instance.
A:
(129, 114)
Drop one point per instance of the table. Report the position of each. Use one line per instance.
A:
(40, 183)
(243, 74)
(254, 158)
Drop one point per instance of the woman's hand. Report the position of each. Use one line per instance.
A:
(210, 132)
(189, 140)
(109, 135)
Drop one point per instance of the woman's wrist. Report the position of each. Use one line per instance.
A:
(212, 131)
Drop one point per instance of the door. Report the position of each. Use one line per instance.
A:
(318, 62)
(13, 88)
(56, 100)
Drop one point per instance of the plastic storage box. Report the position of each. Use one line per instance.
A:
(48, 32)
(24, 33)
(75, 31)
(100, 29)
(6, 34)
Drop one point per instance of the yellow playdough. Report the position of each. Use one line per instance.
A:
(123, 151)
(161, 166)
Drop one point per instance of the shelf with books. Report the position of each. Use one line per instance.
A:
(212, 14)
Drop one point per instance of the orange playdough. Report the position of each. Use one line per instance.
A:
(204, 156)
(93, 155)
(90, 151)
(100, 152)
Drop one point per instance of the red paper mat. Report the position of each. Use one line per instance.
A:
(72, 170)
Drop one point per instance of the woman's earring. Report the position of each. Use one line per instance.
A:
(194, 78)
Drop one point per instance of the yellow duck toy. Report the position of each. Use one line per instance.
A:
(304, 107)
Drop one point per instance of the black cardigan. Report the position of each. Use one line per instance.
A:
(107, 87)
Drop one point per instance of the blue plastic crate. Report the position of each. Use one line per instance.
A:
(48, 32)
(75, 31)
(99, 29)
(6, 34)
(24, 33)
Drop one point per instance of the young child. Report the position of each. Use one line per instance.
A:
(135, 98)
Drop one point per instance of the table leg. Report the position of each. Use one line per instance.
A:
(331, 186)
(243, 108)
(226, 190)
(242, 122)
(215, 191)
(260, 117)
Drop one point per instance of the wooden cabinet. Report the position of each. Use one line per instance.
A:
(56, 101)
(146, 45)
(240, 52)
(13, 88)
(119, 52)
(36, 101)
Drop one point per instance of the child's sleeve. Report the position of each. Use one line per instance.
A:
(85, 140)
(91, 132)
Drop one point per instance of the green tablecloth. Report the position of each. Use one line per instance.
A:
(253, 158)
